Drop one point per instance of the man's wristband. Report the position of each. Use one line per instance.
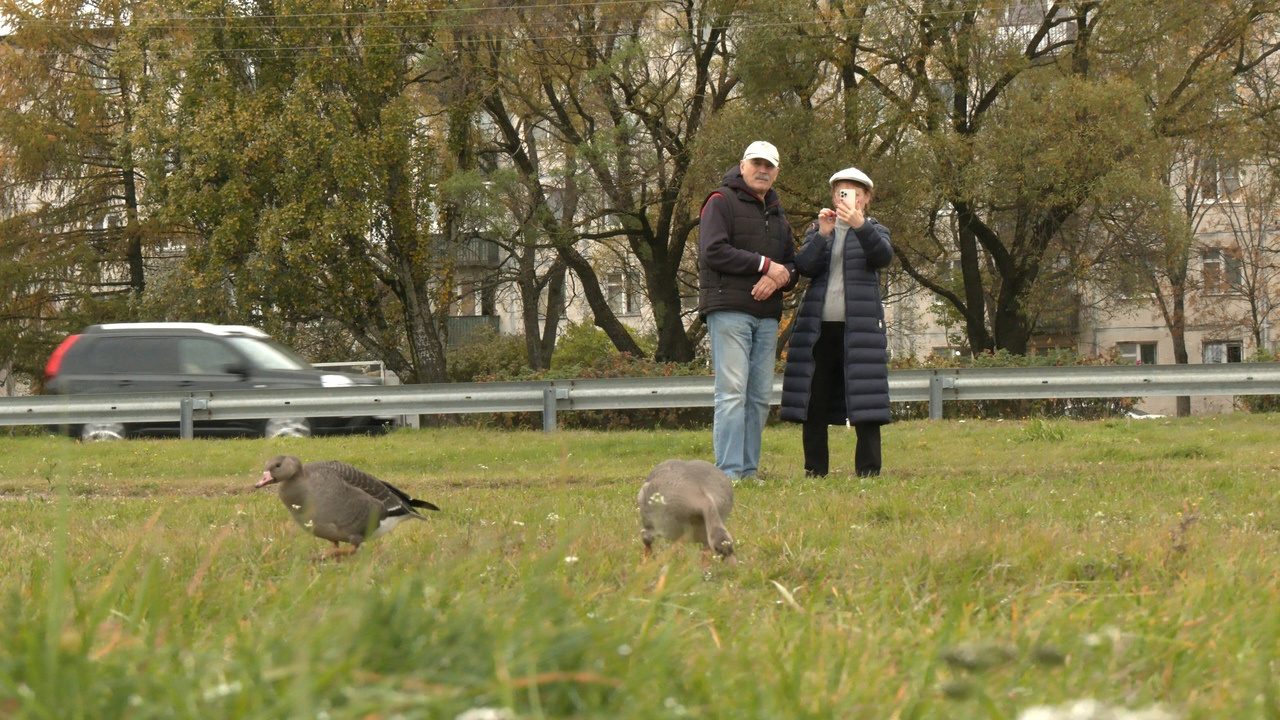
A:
(765, 269)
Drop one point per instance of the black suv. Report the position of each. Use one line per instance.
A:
(181, 357)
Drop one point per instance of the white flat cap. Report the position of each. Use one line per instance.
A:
(852, 174)
(763, 150)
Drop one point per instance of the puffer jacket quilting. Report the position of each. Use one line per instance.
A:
(866, 374)
(734, 232)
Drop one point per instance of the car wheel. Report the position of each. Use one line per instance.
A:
(287, 427)
(94, 432)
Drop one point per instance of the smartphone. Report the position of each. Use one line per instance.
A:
(847, 194)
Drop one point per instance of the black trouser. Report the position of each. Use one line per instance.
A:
(828, 383)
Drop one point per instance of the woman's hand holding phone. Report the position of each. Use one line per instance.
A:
(849, 208)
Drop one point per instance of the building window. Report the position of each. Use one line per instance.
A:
(1228, 351)
(620, 291)
(1219, 180)
(466, 304)
(1222, 271)
(1137, 353)
(950, 269)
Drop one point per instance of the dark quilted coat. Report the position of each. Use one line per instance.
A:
(866, 374)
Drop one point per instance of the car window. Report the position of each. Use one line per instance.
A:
(269, 355)
(131, 355)
(203, 356)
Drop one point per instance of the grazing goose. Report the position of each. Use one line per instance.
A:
(687, 497)
(338, 502)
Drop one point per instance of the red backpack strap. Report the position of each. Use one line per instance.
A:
(704, 202)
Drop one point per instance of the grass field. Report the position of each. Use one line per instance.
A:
(994, 567)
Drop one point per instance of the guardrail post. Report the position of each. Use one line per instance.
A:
(549, 409)
(935, 396)
(186, 422)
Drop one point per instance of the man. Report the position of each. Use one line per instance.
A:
(746, 258)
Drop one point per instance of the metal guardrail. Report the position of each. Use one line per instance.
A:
(549, 397)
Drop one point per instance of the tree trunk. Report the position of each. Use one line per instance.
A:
(664, 299)
(428, 362)
(975, 307)
(555, 311)
(1178, 332)
(604, 317)
(540, 340)
(133, 236)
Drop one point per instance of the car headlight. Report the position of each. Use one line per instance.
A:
(336, 381)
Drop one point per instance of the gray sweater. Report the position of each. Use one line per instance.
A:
(833, 302)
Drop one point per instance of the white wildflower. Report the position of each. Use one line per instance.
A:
(1094, 710)
(488, 714)
(222, 690)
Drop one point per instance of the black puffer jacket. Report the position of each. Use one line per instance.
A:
(866, 374)
(735, 230)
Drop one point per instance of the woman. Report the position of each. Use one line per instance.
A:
(837, 360)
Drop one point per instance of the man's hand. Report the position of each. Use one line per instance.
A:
(778, 273)
(765, 286)
(826, 221)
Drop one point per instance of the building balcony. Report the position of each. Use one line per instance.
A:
(465, 327)
(478, 252)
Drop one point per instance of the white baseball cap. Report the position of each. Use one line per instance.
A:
(763, 150)
(852, 174)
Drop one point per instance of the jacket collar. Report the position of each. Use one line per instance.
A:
(733, 179)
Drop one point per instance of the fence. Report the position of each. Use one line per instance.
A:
(551, 397)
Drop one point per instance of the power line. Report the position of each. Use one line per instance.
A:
(746, 19)
(184, 22)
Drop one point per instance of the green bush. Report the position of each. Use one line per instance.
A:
(583, 345)
(1260, 403)
(612, 365)
(1078, 408)
(487, 353)
(585, 352)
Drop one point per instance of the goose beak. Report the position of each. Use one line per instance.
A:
(267, 479)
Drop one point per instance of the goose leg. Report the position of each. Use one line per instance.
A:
(338, 552)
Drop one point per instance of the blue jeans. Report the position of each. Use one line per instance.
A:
(742, 356)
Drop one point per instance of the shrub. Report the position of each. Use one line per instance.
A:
(583, 344)
(487, 353)
(1260, 403)
(1078, 408)
(612, 365)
